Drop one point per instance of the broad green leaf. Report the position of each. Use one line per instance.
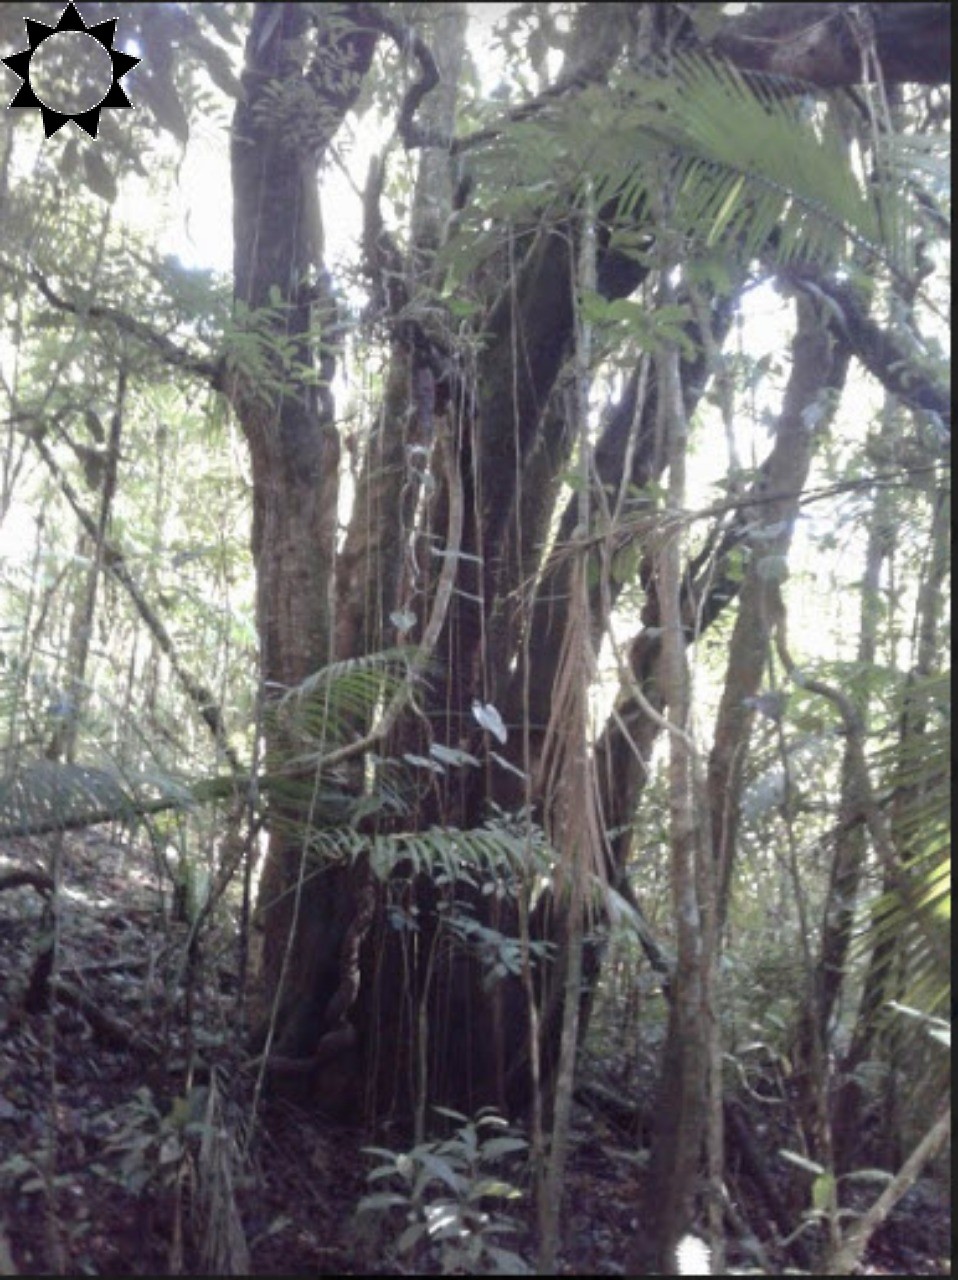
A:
(823, 1192)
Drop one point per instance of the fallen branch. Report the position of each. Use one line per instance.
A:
(38, 880)
(110, 1031)
(846, 1256)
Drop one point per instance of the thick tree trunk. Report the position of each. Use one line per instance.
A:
(284, 307)
(343, 964)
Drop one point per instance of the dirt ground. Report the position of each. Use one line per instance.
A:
(127, 1142)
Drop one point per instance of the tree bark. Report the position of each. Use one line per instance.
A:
(819, 366)
(287, 316)
(825, 44)
(679, 1135)
(423, 1019)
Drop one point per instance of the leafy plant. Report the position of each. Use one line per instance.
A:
(148, 1147)
(915, 925)
(754, 164)
(190, 1149)
(443, 1191)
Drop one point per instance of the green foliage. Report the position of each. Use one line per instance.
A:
(916, 917)
(328, 711)
(439, 1202)
(329, 707)
(752, 165)
(754, 168)
(498, 852)
(147, 1146)
(191, 1149)
(653, 328)
(499, 955)
(257, 345)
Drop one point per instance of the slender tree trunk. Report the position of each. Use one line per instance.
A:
(819, 367)
(64, 741)
(679, 1135)
(848, 864)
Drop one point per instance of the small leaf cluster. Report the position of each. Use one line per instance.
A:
(149, 1147)
(438, 1198)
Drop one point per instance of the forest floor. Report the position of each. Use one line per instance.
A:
(111, 1164)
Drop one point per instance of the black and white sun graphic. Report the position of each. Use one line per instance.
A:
(71, 30)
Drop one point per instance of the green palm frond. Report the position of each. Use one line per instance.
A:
(752, 163)
(446, 855)
(449, 854)
(919, 769)
(922, 161)
(38, 797)
(337, 703)
(301, 804)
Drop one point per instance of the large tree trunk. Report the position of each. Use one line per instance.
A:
(285, 308)
(347, 965)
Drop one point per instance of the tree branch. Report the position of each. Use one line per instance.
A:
(210, 371)
(820, 43)
(845, 1258)
(879, 350)
(198, 694)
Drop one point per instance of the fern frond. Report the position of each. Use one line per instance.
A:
(919, 769)
(754, 165)
(339, 701)
(468, 856)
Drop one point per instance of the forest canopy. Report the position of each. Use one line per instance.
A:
(474, 506)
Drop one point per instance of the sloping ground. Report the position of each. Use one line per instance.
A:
(117, 1158)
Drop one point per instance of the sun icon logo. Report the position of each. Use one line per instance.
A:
(72, 70)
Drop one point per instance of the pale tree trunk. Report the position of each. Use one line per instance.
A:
(679, 1134)
(819, 366)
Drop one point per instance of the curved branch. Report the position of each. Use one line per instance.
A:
(415, 135)
(409, 41)
(210, 371)
(879, 350)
